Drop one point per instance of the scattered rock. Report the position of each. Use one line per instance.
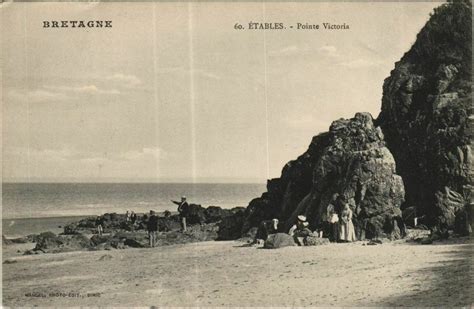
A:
(426, 241)
(10, 261)
(316, 241)
(6, 241)
(20, 240)
(374, 242)
(49, 242)
(105, 257)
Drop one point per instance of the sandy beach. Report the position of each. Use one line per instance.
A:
(232, 274)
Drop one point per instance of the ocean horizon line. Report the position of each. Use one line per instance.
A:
(137, 182)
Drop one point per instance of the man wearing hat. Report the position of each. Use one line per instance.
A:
(300, 230)
(183, 209)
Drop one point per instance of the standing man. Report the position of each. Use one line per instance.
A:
(152, 227)
(183, 209)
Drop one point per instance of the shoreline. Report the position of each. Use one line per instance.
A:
(20, 227)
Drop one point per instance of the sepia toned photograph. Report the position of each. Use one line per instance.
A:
(237, 154)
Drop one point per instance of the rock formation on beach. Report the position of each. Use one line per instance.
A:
(426, 120)
(120, 233)
(350, 160)
(427, 116)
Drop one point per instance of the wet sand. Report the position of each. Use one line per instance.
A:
(18, 227)
(230, 274)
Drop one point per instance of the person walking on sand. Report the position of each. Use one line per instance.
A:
(183, 210)
(99, 223)
(152, 227)
(346, 227)
(300, 230)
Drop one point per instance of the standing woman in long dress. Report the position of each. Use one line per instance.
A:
(346, 228)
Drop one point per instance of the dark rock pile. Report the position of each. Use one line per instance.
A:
(48, 242)
(427, 117)
(203, 225)
(113, 222)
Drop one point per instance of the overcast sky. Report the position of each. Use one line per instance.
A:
(173, 93)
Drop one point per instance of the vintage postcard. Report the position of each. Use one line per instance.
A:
(237, 154)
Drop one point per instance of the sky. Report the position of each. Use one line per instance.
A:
(173, 93)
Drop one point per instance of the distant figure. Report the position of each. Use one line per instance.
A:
(133, 217)
(346, 228)
(332, 219)
(266, 228)
(300, 230)
(152, 227)
(99, 223)
(398, 220)
(127, 216)
(183, 209)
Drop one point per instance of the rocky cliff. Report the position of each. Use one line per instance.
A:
(427, 116)
(350, 161)
(426, 121)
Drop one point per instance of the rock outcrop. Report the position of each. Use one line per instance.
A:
(113, 222)
(350, 161)
(204, 224)
(427, 116)
(48, 242)
(279, 240)
(426, 120)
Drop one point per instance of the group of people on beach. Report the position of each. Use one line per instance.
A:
(339, 220)
(151, 220)
(336, 225)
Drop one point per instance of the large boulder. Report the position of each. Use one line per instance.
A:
(427, 116)
(350, 161)
(231, 227)
(6, 241)
(48, 242)
(279, 240)
(216, 214)
(86, 225)
(166, 224)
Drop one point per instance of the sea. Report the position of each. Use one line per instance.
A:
(42, 200)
